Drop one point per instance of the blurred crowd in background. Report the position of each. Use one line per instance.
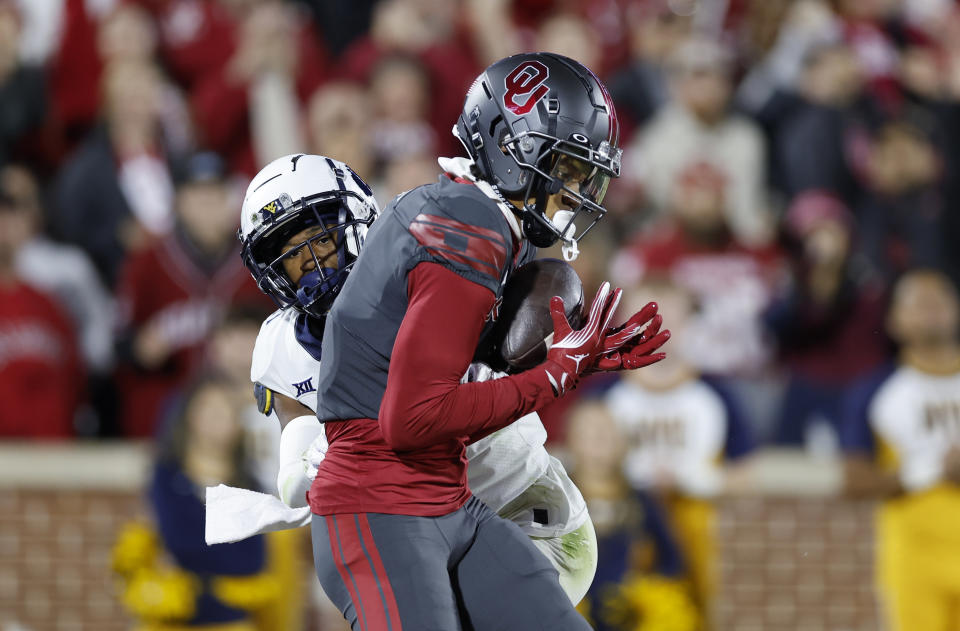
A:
(786, 163)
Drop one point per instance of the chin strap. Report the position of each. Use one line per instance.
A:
(463, 168)
(570, 250)
(563, 221)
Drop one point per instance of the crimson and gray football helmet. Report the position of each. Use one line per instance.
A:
(287, 196)
(532, 123)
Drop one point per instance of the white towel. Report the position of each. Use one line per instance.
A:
(234, 514)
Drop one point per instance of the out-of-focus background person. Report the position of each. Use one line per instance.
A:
(827, 318)
(681, 433)
(115, 192)
(42, 374)
(23, 100)
(173, 578)
(642, 577)
(174, 292)
(902, 447)
(696, 129)
(230, 354)
(790, 196)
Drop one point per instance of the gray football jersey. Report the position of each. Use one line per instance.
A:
(449, 222)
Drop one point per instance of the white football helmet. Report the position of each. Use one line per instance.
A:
(291, 194)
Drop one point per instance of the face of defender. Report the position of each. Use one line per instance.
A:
(300, 249)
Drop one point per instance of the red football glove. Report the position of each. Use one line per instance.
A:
(617, 337)
(630, 345)
(573, 351)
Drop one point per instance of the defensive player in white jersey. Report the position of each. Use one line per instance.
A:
(302, 226)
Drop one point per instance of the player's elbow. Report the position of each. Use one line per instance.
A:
(396, 434)
(399, 429)
(409, 420)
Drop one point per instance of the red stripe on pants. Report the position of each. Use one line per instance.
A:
(375, 610)
(392, 610)
(341, 567)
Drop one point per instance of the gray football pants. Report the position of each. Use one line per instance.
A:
(468, 570)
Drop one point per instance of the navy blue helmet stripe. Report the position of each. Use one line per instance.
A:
(338, 173)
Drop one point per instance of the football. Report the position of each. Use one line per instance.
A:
(524, 329)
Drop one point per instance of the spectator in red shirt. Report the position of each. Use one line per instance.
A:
(74, 71)
(93, 36)
(128, 33)
(172, 294)
(249, 107)
(732, 283)
(427, 31)
(40, 374)
(65, 273)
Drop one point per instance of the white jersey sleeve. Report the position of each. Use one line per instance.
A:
(505, 463)
(281, 363)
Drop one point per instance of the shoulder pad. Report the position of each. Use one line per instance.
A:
(458, 227)
(264, 397)
(481, 249)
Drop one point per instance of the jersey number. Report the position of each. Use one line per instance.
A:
(527, 78)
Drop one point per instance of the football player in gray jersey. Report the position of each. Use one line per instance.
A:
(398, 539)
(510, 470)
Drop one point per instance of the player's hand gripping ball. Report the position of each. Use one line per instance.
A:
(524, 329)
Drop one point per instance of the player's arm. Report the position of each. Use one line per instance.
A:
(288, 409)
(862, 476)
(424, 402)
(299, 429)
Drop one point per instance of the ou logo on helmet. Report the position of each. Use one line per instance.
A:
(527, 79)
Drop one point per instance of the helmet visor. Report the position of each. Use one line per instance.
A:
(581, 177)
(590, 170)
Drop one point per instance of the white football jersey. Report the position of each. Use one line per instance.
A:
(508, 469)
(678, 433)
(511, 471)
(917, 415)
(280, 361)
